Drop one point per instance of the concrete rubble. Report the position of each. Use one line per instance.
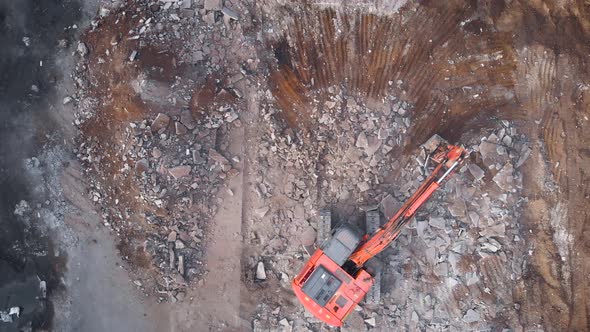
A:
(174, 165)
(464, 224)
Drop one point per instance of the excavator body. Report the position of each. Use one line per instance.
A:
(324, 276)
(335, 279)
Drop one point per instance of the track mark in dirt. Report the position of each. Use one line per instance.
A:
(554, 95)
(460, 79)
(220, 287)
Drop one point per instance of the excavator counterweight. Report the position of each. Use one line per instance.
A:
(335, 279)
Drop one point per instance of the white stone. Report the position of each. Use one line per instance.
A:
(260, 271)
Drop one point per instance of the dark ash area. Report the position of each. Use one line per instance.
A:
(28, 78)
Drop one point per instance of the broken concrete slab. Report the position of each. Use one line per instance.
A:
(180, 128)
(160, 122)
(371, 322)
(476, 171)
(489, 153)
(262, 211)
(457, 209)
(231, 116)
(260, 271)
(489, 245)
(471, 316)
(373, 145)
(230, 13)
(438, 222)
(362, 141)
(505, 178)
(216, 157)
(363, 186)
(474, 217)
(498, 230)
(179, 171)
(213, 4)
(389, 206)
(441, 270)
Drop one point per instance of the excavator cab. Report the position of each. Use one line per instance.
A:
(324, 287)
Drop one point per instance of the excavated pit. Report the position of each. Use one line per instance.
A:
(456, 80)
(313, 105)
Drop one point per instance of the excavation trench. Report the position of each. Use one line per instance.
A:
(456, 82)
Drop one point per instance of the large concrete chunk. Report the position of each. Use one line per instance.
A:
(389, 206)
(433, 142)
(505, 178)
(160, 122)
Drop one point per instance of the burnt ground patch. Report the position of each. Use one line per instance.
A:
(30, 32)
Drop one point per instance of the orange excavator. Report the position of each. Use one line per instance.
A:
(336, 278)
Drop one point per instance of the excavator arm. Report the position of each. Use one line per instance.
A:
(449, 159)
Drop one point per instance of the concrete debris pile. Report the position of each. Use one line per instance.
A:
(153, 117)
(203, 34)
(208, 29)
(176, 171)
(348, 150)
(271, 318)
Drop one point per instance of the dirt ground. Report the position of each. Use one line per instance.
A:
(208, 135)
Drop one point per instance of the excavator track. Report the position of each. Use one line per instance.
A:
(372, 223)
(324, 227)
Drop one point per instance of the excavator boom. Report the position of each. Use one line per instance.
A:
(383, 237)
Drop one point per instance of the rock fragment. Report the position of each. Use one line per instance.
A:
(362, 141)
(160, 122)
(179, 171)
(363, 186)
(133, 55)
(230, 13)
(523, 156)
(371, 322)
(82, 49)
(505, 178)
(172, 236)
(260, 271)
(180, 128)
(213, 4)
(471, 316)
(476, 171)
(67, 100)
